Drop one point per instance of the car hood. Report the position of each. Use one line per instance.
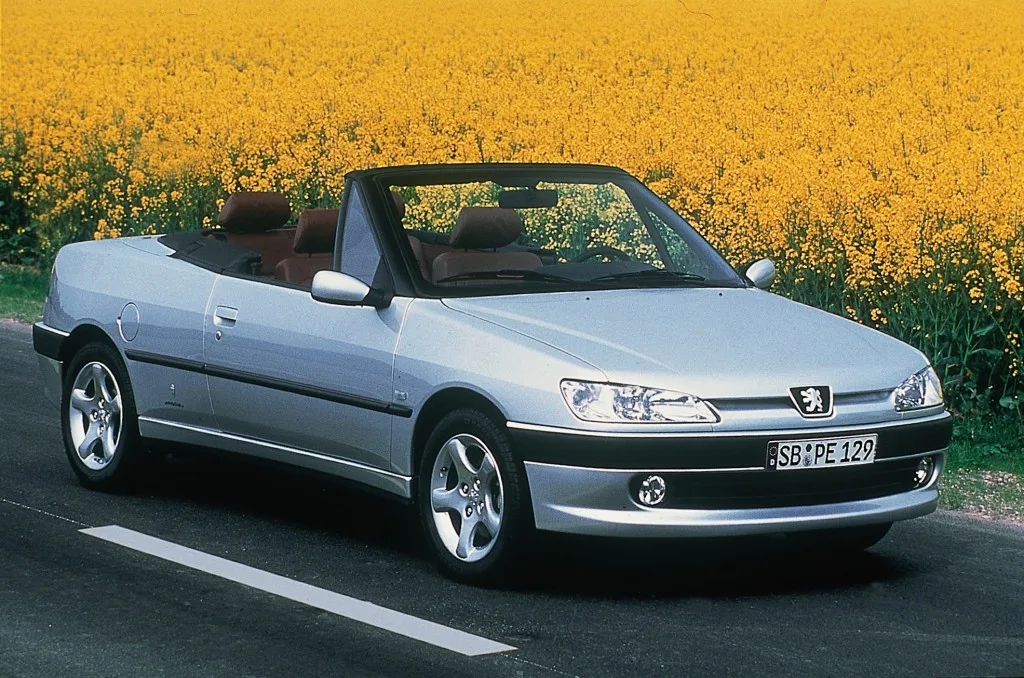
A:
(714, 343)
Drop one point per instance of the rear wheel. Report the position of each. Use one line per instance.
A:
(472, 499)
(98, 419)
(841, 540)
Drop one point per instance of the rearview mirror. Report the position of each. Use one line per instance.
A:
(332, 287)
(528, 198)
(761, 273)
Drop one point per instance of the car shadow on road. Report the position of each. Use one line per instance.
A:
(285, 495)
(723, 567)
(558, 564)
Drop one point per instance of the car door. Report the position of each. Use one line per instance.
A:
(289, 371)
(162, 338)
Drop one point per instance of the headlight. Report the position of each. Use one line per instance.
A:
(921, 390)
(636, 404)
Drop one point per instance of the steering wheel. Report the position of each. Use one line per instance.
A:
(600, 250)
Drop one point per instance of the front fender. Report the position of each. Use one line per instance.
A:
(442, 348)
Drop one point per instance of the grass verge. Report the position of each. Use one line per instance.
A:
(984, 469)
(22, 293)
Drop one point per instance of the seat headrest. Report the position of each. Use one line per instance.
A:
(399, 204)
(254, 212)
(314, 233)
(479, 228)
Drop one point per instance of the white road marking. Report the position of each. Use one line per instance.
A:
(45, 513)
(351, 608)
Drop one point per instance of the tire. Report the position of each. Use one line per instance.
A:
(456, 496)
(101, 434)
(842, 540)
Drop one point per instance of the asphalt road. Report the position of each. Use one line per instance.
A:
(941, 596)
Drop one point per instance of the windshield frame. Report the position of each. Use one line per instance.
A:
(379, 182)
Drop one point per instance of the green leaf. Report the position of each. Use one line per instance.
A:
(1009, 402)
(990, 352)
(982, 331)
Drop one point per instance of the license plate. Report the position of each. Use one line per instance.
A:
(789, 455)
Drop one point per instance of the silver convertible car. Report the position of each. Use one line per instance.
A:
(511, 347)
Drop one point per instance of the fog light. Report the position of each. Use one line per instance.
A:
(924, 471)
(652, 491)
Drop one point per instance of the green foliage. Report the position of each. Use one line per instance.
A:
(992, 443)
(985, 468)
(19, 236)
(22, 292)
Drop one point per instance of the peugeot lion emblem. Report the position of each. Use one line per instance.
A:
(812, 402)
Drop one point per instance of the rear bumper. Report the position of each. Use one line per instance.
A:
(51, 370)
(597, 502)
(47, 343)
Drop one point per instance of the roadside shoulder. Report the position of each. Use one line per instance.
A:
(986, 523)
(994, 496)
(15, 325)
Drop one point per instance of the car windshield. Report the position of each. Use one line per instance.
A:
(540, 235)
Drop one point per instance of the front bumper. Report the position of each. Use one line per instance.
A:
(737, 497)
(597, 502)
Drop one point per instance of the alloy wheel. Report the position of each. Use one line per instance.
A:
(95, 416)
(467, 497)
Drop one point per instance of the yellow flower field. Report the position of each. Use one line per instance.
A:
(873, 148)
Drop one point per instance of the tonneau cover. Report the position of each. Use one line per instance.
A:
(211, 253)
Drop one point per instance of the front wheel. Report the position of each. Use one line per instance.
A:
(841, 540)
(98, 420)
(473, 499)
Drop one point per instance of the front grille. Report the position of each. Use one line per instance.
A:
(773, 489)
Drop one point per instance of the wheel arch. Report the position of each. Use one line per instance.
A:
(82, 335)
(441, 403)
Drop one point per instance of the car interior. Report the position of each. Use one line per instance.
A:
(482, 240)
(488, 243)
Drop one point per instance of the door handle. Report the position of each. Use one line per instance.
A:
(225, 316)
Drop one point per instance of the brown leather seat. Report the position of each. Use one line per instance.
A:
(417, 249)
(399, 204)
(482, 228)
(254, 220)
(314, 237)
(426, 253)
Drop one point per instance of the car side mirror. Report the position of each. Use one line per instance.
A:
(332, 287)
(761, 273)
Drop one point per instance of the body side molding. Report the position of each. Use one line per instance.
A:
(268, 382)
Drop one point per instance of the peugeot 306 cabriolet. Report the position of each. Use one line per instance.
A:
(511, 348)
